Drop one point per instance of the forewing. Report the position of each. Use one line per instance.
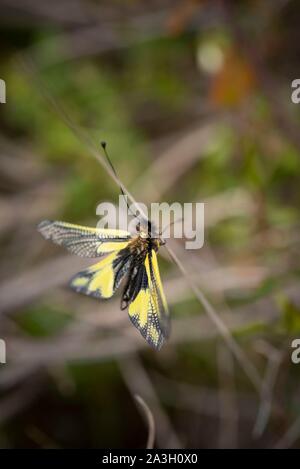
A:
(82, 240)
(148, 308)
(102, 279)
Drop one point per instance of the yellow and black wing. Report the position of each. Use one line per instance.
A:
(102, 279)
(143, 294)
(145, 298)
(83, 240)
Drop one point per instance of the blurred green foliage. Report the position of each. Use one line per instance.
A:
(43, 320)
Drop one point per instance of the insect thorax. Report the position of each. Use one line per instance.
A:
(142, 244)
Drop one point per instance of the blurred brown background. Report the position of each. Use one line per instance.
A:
(194, 100)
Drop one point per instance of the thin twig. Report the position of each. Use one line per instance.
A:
(243, 360)
(138, 382)
(149, 420)
(274, 357)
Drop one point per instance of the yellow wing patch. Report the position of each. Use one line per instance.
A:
(102, 279)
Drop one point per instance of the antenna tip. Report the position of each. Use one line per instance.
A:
(103, 145)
